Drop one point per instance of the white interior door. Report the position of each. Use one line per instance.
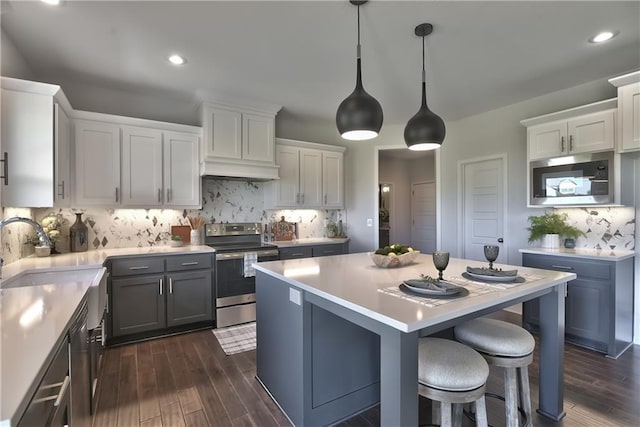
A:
(482, 207)
(423, 217)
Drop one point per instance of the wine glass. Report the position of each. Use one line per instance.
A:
(440, 261)
(491, 254)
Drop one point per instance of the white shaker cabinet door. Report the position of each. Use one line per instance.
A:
(257, 138)
(223, 134)
(591, 133)
(547, 140)
(629, 110)
(97, 164)
(27, 145)
(287, 188)
(181, 177)
(141, 167)
(310, 178)
(62, 152)
(333, 179)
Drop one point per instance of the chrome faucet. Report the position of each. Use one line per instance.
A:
(44, 239)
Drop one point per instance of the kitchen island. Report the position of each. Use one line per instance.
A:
(335, 338)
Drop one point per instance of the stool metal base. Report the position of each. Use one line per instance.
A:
(471, 416)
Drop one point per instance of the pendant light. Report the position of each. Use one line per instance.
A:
(425, 130)
(359, 116)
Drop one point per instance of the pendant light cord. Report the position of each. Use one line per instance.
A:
(358, 53)
(423, 71)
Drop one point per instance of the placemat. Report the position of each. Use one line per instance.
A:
(473, 289)
(524, 278)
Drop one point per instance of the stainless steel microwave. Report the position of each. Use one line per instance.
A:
(585, 179)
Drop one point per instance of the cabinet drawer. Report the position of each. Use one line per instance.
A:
(137, 265)
(53, 387)
(583, 268)
(326, 250)
(189, 262)
(297, 252)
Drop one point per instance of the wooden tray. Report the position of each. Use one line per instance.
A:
(183, 231)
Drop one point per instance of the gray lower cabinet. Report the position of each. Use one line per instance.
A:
(313, 250)
(138, 304)
(178, 294)
(190, 297)
(599, 303)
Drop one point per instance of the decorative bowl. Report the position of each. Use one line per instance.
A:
(386, 261)
(176, 243)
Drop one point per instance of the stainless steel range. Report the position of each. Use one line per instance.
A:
(237, 245)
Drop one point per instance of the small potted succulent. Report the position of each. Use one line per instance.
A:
(550, 227)
(176, 241)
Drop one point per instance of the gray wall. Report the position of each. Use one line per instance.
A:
(12, 63)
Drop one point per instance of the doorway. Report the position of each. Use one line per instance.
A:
(398, 169)
(423, 216)
(482, 186)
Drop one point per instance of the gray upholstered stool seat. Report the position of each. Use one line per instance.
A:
(452, 373)
(496, 337)
(508, 346)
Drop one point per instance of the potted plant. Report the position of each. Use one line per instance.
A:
(549, 227)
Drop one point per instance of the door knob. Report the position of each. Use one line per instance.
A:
(500, 240)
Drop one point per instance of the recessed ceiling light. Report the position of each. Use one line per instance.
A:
(51, 2)
(602, 37)
(177, 60)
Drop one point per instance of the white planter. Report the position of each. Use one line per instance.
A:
(551, 241)
(195, 237)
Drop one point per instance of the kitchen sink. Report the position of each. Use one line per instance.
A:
(96, 299)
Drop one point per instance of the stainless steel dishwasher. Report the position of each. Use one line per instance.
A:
(80, 371)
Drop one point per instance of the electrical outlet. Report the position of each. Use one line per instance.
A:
(369, 222)
(294, 296)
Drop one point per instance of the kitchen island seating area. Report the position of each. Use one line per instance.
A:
(334, 340)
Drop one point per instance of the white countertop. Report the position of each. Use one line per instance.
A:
(601, 254)
(33, 318)
(352, 281)
(310, 241)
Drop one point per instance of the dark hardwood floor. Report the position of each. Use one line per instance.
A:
(187, 380)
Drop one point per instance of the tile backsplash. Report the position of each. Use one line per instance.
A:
(14, 235)
(605, 227)
(223, 201)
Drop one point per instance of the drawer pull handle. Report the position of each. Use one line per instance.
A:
(170, 285)
(297, 254)
(160, 286)
(5, 168)
(329, 252)
(63, 391)
(142, 267)
(185, 264)
(563, 267)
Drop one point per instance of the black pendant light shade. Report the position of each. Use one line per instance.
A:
(359, 116)
(425, 130)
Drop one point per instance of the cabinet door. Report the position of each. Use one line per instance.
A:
(181, 178)
(629, 111)
(223, 134)
(326, 250)
(257, 138)
(593, 132)
(587, 311)
(287, 188)
(189, 297)
(141, 167)
(333, 179)
(62, 152)
(27, 140)
(97, 164)
(137, 305)
(547, 140)
(310, 178)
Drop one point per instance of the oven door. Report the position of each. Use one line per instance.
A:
(232, 287)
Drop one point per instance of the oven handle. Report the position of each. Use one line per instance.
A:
(240, 255)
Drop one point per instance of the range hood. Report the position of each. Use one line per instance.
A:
(227, 169)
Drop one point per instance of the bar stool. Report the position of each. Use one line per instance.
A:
(507, 346)
(452, 373)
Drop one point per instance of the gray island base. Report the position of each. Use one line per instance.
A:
(330, 345)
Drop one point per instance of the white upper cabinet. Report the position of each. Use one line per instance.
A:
(311, 176)
(120, 164)
(34, 129)
(141, 167)
(585, 129)
(628, 111)
(97, 164)
(333, 179)
(62, 155)
(239, 140)
(181, 178)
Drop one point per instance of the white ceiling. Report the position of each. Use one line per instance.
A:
(301, 55)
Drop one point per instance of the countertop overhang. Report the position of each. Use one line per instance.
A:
(587, 253)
